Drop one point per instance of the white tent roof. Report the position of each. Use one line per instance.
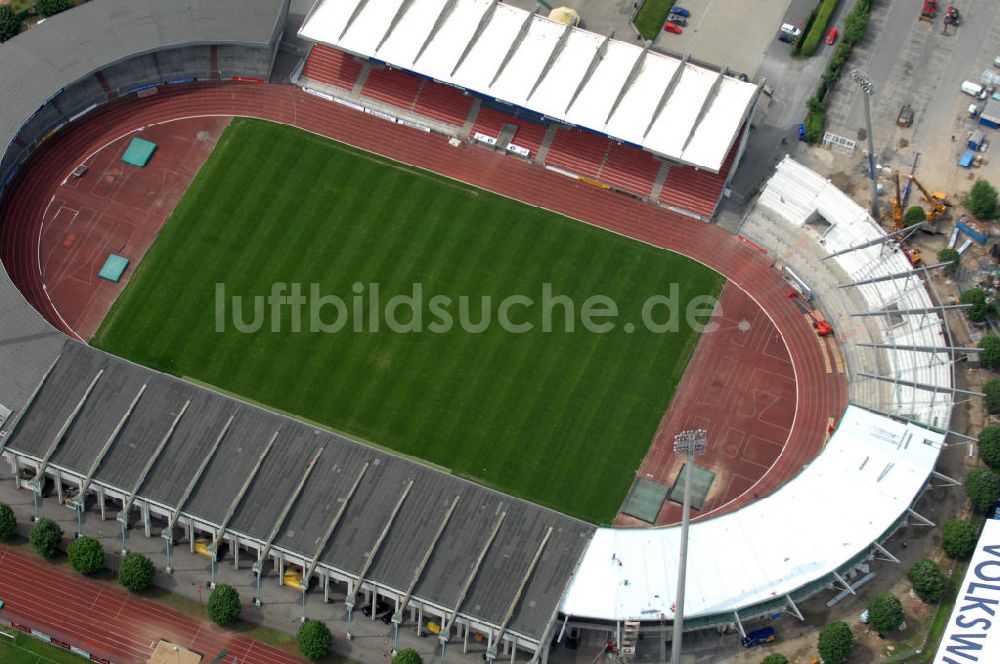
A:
(869, 473)
(697, 123)
(973, 633)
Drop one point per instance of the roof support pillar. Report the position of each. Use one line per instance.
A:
(266, 549)
(912, 312)
(920, 519)
(325, 539)
(889, 277)
(844, 583)
(629, 80)
(491, 655)
(945, 480)
(403, 7)
(885, 552)
(921, 386)
(515, 43)
(54, 445)
(667, 92)
(446, 626)
(794, 609)
(238, 498)
(739, 625)
(354, 15)
(442, 16)
(156, 455)
(706, 105)
(888, 237)
(595, 62)
(193, 482)
(553, 56)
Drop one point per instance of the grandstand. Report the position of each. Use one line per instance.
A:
(615, 111)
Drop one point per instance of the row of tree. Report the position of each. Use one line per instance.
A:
(11, 22)
(136, 572)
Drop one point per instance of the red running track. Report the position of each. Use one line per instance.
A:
(819, 395)
(107, 621)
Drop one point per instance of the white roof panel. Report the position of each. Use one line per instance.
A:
(639, 103)
(675, 122)
(408, 36)
(714, 135)
(592, 106)
(558, 86)
(707, 149)
(483, 61)
(370, 26)
(527, 62)
(870, 471)
(441, 55)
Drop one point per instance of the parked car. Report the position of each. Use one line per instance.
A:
(678, 19)
(680, 11)
(672, 27)
(831, 36)
(759, 637)
(788, 33)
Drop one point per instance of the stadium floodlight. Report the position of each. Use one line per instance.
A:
(690, 443)
(868, 89)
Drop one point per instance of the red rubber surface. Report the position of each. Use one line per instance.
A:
(820, 395)
(106, 621)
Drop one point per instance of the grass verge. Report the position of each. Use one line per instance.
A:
(651, 16)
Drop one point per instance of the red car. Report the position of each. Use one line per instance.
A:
(831, 36)
(672, 27)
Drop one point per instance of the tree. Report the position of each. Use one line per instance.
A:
(977, 298)
(8, 523)
(224, 605)
(990, 357)
(314, 639)
(989, 438)
(950, 256)
(927, 579)
(885, 612)
(836, 642)
(959, 537)
(776, 658)
(914, 215)
(86, 555)
(992, 392)
(982, 486)
(51, 7)
(45, 537)
(136, 572)
(982, 200)
(407, 656)
(10, 23)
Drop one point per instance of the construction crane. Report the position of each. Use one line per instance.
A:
(897, 206)
(939, 202)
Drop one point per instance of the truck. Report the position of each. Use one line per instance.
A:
(905, 117)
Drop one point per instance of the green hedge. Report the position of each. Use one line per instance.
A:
(818, 28)
(797, 47)
(855, 29)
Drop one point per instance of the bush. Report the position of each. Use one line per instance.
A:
(990, 357)
(806, 29)
(10, 23)
(136, 572)
(992, 392)
(959, 537)
(407, 656)
(86, 555)
(977, 298)
(51, 7)
(836, 642)
(989, 437)
(815, 126)
(8, 523)
(982, 486)
(914, 215)
(949, 256)
(45, 537)
(927, 579)
(776, 658)
(314, 639)
(224, 605)
(856, 25)
(885, 612)
(982, 200)
(817, 30)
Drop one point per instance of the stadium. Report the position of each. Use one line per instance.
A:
(529, 119)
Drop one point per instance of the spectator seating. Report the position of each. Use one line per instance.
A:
(578, 151)
(529, 134)
(443, 103)
(393, 87)
(696, 190)
(631, 169)
(332, 67)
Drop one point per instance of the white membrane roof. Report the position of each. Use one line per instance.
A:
(695, 124)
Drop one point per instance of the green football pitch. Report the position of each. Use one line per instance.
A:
(559, 418)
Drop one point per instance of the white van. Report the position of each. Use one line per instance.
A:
(789, 33)
(973, 89)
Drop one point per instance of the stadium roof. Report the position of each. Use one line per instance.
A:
(89, 398)
(867, 476)
(672, 107)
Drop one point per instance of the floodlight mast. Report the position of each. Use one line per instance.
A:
(690, 443)
(868, 89)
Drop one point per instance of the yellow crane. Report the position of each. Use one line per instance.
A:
(897, 206)
(939, 202)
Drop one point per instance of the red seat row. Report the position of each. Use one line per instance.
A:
(332, 67)
(443, 103)
(696, 190)
(392, 87)
(490, 122)
(631, 169)
(578, 151)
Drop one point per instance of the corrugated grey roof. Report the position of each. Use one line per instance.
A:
(367, 513)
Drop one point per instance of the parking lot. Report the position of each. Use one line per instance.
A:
(913, 62)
